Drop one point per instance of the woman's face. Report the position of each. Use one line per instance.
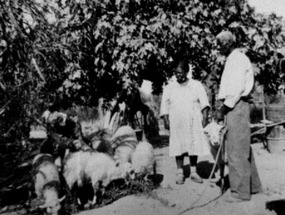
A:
(181, 74)
(224, 47)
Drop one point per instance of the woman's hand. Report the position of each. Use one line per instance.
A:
(204, 122)
(205, 113)
(166, 122)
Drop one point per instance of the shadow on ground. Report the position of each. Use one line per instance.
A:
(278, 206)
(160, 142)
(204, 169)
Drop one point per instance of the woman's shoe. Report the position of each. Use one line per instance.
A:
(180, 177)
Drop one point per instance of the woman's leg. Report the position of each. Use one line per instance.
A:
(179, 161)
(193, 169)
(180, 175)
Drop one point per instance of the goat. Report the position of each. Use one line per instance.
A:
(123, 153)
(143, 160)
(215, 135)
(47, 182)
(95, 167)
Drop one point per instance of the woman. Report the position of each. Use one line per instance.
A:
(184, 109)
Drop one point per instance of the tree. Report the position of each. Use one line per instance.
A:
(80, 51)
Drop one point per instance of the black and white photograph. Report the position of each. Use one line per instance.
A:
(146, 107)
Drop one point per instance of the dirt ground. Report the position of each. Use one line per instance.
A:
(199, 199)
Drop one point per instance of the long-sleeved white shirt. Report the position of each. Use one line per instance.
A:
(237, 79)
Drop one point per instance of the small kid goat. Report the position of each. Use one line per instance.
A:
(215, 134)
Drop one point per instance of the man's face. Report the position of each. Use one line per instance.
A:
(180, 74)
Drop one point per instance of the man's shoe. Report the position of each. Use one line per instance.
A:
(196, 178)
(232, 199)
(257, 192)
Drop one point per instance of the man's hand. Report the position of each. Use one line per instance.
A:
(220, 114)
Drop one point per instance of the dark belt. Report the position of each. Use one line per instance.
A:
(248, 99)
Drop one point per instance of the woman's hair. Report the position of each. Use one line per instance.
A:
(183, 63)
(226, 36)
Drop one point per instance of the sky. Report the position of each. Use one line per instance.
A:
(268, 6)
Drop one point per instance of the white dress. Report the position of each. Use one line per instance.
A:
(184, 103)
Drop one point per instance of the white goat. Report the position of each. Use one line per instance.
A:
(143, 160)
(47, 182)
(94, 166)
(123, 153)
(215, 134)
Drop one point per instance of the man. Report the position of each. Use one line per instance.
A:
(236, 84)
(184, 108)
(63, 132)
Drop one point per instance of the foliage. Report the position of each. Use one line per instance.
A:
(79, 51)
(137, 186)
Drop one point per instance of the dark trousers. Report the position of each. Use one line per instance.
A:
(243, 175)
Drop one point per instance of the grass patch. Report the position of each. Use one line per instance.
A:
(119, 189)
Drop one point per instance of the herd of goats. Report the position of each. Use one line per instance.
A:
(74, 159)
(97, 160)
